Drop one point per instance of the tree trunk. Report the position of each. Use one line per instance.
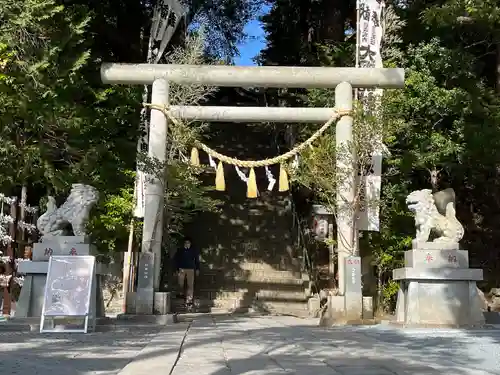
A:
(334, 18)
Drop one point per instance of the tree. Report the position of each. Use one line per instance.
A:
(184, 193)
(442, 129)
(224, 22)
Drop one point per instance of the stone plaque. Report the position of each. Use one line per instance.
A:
(353, 288)
(145, 287)
(145, 271)
(437, 259)
(353, 275)
(44, 250)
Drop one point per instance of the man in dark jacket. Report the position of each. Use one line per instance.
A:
(187, 264)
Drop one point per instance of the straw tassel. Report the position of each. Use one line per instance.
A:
(283, 183)
(252, 185)
(220, 183)
(195, 157)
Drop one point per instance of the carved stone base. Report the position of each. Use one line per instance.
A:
(416, 245)
(43, 250)
(31, 298)
(438, 288)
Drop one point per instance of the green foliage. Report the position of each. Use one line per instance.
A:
(185, 195)
(110, 223)
(389, 294)
(58, 123)
(442, 129)
(56, 126)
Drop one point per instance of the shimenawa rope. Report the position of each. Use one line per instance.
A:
(251, 185)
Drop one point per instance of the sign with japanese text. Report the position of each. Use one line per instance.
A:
(145, 284)
(370, 33)
(353, 275)
(44, 250)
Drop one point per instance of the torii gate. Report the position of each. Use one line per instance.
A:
(342, 79)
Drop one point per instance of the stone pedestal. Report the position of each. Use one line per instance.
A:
(437, 287)
(30, 300)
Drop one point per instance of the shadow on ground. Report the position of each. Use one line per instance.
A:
(239, 345)
(71, 354)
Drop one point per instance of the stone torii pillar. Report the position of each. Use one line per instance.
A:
(238, 76)
(152, 231)
(346, 185)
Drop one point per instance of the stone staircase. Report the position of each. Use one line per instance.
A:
(256, 287)
(248, 256)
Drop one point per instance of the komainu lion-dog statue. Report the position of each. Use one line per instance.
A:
(73, 212)
(428, 218)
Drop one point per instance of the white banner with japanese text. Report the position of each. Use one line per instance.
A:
(370, 34)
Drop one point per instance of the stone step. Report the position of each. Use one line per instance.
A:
(246, 267)
(246, 287)
(242, 300)
(281, 295)
(289, 268)
(299, 309)
(298, 312)
(205, 304)
(283, 308)
(260, 276)
(245, 295)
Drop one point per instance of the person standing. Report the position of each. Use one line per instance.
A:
(187, 264)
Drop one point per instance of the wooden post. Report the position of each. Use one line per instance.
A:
(127, 260)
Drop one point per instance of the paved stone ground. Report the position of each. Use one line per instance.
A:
(254, 346)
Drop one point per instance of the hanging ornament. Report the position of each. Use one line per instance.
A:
(220, 183)
(252, 185)
(283, 184)
(270, 179)
(195, 157)
(240, 174)
(211, 162)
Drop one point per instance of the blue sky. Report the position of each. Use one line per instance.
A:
(256, 41)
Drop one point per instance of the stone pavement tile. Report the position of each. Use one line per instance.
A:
(417, 351)
(463, 351)
(70, 354)
(295, 359)
(245, 354)
(160, 355)
(261, 346)
(202, 352)
(346, 351)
